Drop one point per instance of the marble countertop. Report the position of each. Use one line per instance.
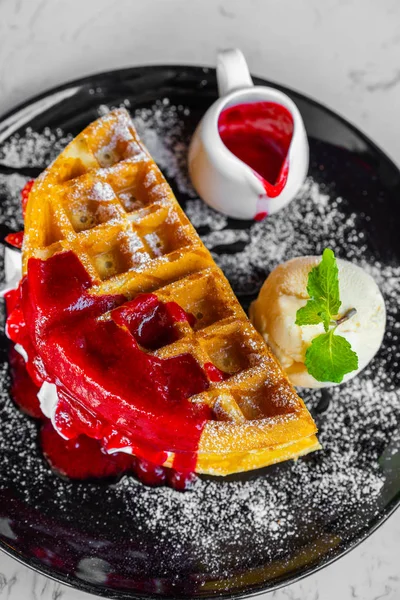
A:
(344, 53)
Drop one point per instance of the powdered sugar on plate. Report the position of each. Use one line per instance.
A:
(321, 501)
(33, 149)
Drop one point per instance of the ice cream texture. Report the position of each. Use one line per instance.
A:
(285, 291)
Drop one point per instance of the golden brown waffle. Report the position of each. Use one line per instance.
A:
(105, 199)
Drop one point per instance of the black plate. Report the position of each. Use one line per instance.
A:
(249, 533)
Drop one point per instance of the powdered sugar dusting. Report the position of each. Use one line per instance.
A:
(224, 525)
(160, 128)
(102, 192)
(10, 190)
(33, 149)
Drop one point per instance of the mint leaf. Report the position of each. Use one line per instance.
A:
(330, 357)
(310, 314)
(323, 287)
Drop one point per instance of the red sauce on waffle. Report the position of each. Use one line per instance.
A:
(110, 389)
(23, 390)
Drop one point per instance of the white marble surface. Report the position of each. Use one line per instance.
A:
(344, 53)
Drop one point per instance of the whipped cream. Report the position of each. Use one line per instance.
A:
(12, 270)
(48, 400)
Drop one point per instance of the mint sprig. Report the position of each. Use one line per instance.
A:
(330, 356)
(323, 289)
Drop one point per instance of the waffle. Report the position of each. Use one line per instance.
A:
(105, 199)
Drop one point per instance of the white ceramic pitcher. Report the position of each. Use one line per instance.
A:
(223, 180)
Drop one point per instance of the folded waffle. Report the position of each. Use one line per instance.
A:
(105, 201)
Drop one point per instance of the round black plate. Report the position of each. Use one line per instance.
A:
(249, 533)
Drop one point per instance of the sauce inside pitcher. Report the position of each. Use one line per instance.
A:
(259, 134)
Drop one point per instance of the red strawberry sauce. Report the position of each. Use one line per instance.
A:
(259, 134)
(112, 393)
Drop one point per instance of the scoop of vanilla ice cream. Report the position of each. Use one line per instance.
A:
(285, 291)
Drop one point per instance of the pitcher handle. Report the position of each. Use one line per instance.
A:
(232, 71)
